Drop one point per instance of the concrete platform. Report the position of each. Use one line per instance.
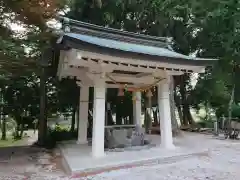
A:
(77, 158)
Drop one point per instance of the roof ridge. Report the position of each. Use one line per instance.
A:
(115, 34)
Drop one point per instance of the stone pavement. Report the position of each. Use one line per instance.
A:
(222, 162)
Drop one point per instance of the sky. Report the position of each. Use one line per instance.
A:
(17, 27)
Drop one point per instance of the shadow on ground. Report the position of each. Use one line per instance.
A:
(25, 162)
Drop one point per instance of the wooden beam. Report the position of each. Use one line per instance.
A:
(118, 86)
(99, 63)
(129, 78)
(140, 62)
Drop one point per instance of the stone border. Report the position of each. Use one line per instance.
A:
(132, 148)
(137, 163)
(65, 164)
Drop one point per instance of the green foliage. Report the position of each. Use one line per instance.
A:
(236, 111)
(209, 28)
(11, 124)
(217, 35)
(211, 89)
(206, 124)
(156, 17)
(59, 128)
(59, 134)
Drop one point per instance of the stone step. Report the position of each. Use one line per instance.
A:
(139, 163)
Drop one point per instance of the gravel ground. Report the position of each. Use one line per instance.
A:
(222, 163)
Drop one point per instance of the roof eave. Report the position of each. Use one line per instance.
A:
(81, 45)
(207, 61)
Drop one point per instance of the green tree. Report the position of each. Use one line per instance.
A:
(217, 24)
(158, 18)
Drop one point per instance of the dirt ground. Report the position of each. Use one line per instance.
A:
(30, 163)
(27, 162)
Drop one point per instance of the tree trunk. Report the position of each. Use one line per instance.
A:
(180, 114)
(2, 118)
(118, 119)
(42, 128)
(17, 129)
(145, 106)
(110, 118)
(179, 108)
(125, 120)
(130, 120)
(78, 117)
(148, 118)
(230, 109)
(3, 128)
(21, 130)
(119, 111)
(73, 119)
(35, 125)
(175, 126)
(155, 116)
(187, 117)
(172, 106)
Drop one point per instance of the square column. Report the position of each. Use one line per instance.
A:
(83, 112)
(137, 108)
(98, 118)
(165, 114)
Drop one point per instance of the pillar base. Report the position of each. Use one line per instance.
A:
(82, 142)
(168, 146)
(98, 155)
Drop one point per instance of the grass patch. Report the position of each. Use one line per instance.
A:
(11, 142)
(206, 124)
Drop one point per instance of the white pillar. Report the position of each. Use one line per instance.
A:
(83, 112)
(98, 118)
(137, 108)
(165, 114)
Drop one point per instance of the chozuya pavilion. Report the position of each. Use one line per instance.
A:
(102, 58)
